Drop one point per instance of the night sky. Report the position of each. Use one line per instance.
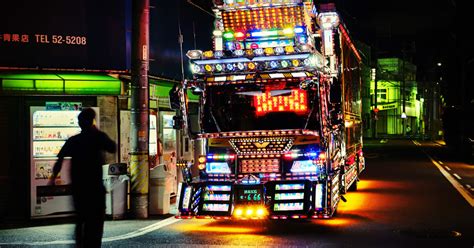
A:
(427, 32)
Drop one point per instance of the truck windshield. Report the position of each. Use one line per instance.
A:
(252, 107)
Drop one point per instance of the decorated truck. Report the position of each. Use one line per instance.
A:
(278, 121)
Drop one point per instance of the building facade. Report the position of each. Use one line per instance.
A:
(396, 107)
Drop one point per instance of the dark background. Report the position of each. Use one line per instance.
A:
(103, 22)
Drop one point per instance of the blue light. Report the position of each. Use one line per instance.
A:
(230, 67)
(279, 50)
(229, 45)
(196, 68)
(302, 39)
(304, 166)
(258, 51)
(311, 154)
(273, 64)
(218, 54)
(298, 30)
(218, 167)
(307, 62)
(239, 52)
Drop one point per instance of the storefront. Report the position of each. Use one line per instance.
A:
(37, 114)
(50, 65)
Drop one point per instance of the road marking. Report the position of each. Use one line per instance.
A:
(457, 176)
(447, 168)
(416, 143)
(464, 193)
(142, 231)
(440, 162)
(145, 230)
(468, 186)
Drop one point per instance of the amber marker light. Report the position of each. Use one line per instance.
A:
(261, 212)
(202, 159)
(238, 212)
(249, 212)
(322, 155)
(251, 66)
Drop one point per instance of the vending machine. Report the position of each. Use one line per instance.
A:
(49, 130)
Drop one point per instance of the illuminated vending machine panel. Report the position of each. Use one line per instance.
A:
(216, 199)
(49, 131)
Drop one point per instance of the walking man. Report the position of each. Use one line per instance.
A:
(87, 157)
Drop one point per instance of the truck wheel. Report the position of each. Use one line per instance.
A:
(353, 187)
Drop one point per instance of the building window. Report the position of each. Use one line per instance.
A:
(382, 94)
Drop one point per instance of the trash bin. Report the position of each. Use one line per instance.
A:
(115, 180)
(160, 189)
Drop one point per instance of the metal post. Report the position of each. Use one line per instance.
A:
(377, 75)
(139, 168)
(404, 120)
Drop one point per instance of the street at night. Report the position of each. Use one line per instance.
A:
(403, 200)
(236, 123)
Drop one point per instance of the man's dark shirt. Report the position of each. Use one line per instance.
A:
(87, 152)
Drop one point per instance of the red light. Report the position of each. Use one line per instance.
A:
(239, 35)
(266, 103)
(288, 155)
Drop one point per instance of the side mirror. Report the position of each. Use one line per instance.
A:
(174, 96)
(178, 122)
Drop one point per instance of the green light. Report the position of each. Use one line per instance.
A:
(92, 87)
(229, 35)
(9, 84)
(77, 84)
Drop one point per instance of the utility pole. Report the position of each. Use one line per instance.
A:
(404, 119)
(376, 79)
(139, 168)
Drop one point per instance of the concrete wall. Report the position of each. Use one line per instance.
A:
(109, 122)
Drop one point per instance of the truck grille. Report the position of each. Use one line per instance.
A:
(265, 145)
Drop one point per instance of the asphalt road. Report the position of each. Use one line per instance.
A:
(403, 200)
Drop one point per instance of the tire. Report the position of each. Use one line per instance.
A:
(353, 187)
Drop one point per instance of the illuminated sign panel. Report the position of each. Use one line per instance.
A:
(217, 167)
(296, 102)
(81, 34)
(215, 207)
(291, 206)
(251, 195)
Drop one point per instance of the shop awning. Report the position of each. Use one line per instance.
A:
(59, 83)
(162, 90)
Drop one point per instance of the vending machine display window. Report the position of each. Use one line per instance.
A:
(49, 130)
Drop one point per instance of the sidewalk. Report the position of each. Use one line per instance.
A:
(56, 233)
